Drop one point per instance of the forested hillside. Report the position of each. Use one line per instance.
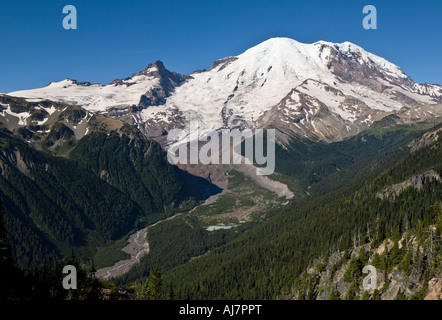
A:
(65, 192)
(408, 265)
(265, 262)
(106, 184)
(320, 167)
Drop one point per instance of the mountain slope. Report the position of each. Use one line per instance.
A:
(51, 204)
(265, 261)
(72, 180)
(304, 161)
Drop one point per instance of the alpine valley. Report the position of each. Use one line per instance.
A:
(85, 179)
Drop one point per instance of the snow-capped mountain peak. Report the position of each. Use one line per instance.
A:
(118, 93)
(241, 90)
(331, 90)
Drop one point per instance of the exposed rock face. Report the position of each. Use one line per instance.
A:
(426, 140)
(415, 182)
(167, 83)
(434, 289)
(14, 159)
(50, 125)
(304, 114)
(331, 279)
(222, 62)
(20, 105)
(350, 65)
(59, 135)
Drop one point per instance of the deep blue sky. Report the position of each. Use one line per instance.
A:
(117, 38)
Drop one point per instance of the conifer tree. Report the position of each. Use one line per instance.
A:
(8, 270)
(153, 285)
(171, 292)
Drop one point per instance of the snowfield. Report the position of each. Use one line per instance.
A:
(238, 91)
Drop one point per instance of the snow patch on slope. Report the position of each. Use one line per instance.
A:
(94, 97)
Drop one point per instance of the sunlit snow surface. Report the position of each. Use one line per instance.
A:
(264, 74)
(246, 87)
(94, 97)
